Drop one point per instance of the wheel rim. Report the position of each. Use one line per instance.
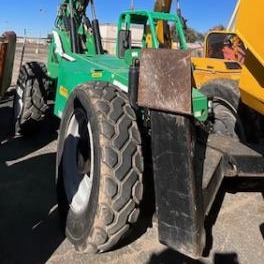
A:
(18, 102)
(78, 161)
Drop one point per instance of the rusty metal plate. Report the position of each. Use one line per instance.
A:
(7, 55)
(3, 49)
(165, 80)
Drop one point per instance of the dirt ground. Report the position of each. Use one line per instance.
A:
(30, 230)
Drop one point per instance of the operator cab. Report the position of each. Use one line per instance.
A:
(145, 29)
(225, 45)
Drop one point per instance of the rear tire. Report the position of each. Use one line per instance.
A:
(225, 97)
(30, 102)
(99, 167)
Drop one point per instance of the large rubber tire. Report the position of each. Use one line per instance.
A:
(225, 95)
(99, 167)
(30, 102)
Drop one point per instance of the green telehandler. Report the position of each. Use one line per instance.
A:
(108, 106)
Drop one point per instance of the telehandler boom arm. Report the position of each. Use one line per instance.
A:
(162, 6)
(72, 17)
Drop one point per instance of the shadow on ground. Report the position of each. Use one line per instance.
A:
(169, 256)
(6, 122)
(229, 185)
(29, 222)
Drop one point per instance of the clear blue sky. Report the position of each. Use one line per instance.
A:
(37, 16)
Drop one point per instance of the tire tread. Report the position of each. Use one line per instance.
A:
(33, 81)
(121, 166)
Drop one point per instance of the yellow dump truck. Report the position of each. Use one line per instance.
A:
(251, 31)
(245, 98)
(216, 63)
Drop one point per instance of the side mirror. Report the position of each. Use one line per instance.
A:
(49, 38)
(124, 42)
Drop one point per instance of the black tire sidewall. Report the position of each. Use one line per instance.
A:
(30, 80)
(78, 225)
(24, 82)
(223, 88)
(227, 90)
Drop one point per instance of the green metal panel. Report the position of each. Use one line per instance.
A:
(106, 68)
(200, 105)
(53, 61)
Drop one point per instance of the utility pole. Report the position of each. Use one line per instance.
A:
(179, 13)
(41, 11)
(132, 7)
(178, 9)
